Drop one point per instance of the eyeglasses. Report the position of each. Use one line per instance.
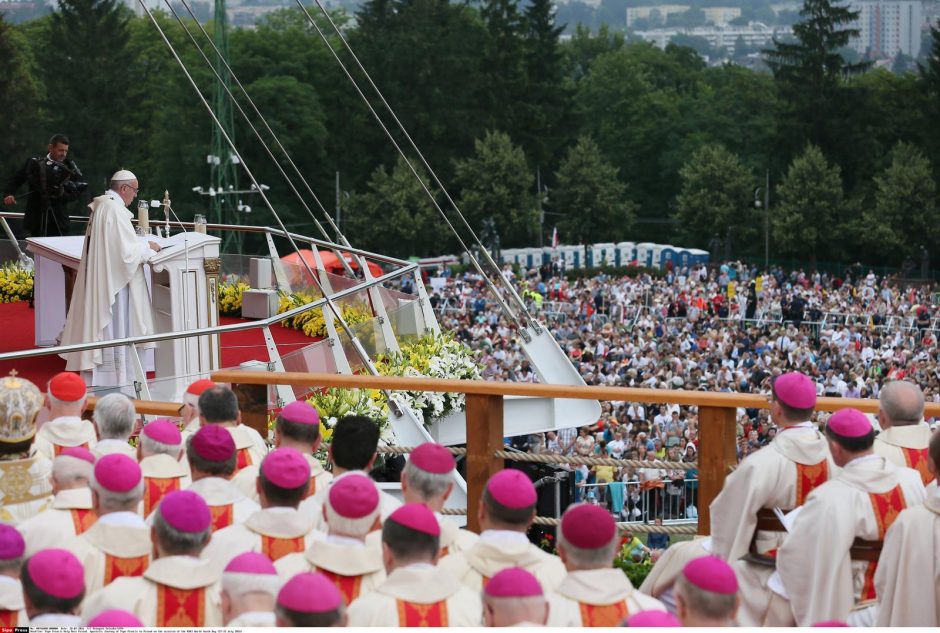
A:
(136, 189)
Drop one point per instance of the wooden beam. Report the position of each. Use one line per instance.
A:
(717, 454)
(484, 437)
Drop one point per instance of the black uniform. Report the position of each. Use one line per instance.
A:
(52, 186)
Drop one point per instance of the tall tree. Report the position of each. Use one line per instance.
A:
(810, 202)
(590, 197)
(503, 55)
(810, 72)
(496, 183)
(583, 48)
(21, 93)
(929, 72)
(716, 197)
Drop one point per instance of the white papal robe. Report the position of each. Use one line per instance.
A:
(780, 475)
(907, 580)
(275, 532)
(25, 487)
(356, 568)
(820, 579)
(69, 516)
(175, 591)
(12, 607)
(117, 545)
(906, 446)
(110, 299)
(662, 577)
(418, 595)
(597, 597)
(65, 432)
(312, 506)
(495, 551)
(246, 479)
(226, 502)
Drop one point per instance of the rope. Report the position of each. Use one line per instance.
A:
(636, 528)
(404, 450)
(550, 458)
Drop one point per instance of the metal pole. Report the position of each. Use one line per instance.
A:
(767, 222)
(338, 212)
(538, 201)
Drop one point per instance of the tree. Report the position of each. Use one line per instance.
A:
(810, 73)
(902, 216)
(929, 71)
(503, 55)
(583, 48)
(395, 216)
(809, 206)
(496, 183)
(716, 197)
(590, 197)
(21, 93)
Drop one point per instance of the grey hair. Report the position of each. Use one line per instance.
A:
(12, 564)
(112, 501)
(68, 471)
(56, 402)
(902, 402)
(427, 485)
(173, 542)
(708, 604)
(581, 558)
(150, 446)
(115, 416)
(237, 584)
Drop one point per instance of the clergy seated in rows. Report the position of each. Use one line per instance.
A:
(745, 531)
(660, 581)
(278, 528)
(297, 426)
(428, 478)
(65, 400)
(179, 589)
(593, 593)
(351, 512)
(309, 600)
(160, 451)
(53, 588)
(115, 417)
(417, 591)
(189, 411)
(71, 511)
(12, 551)
(352, 449)
(904, 434)
(211, 454)
(118, 544)
(25, 474)
(506, 511)
(514, 597)
(707, 593)
(828, 564)
(906, 578)
(249, 591)
(219, 405)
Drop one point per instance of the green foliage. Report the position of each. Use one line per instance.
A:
(716, 196)
(635, 571)
(21, 93)
(809, 207)
(497, 183)
(590, 197)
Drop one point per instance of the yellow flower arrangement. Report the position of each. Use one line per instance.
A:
(16, 283)
(311, 322)
(230, 297)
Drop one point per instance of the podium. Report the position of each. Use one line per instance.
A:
(185, 294)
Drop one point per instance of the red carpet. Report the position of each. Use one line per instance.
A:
(17, 323)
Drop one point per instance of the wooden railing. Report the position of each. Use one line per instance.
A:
(717, 452)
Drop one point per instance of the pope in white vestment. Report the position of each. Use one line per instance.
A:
(110, 299)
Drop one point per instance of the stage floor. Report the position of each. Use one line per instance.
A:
(18, 330)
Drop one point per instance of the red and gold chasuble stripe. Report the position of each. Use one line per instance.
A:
(603, 614)
(423, 615)
(887, 506)
(349, 586)
(808, 478)
(444, 552)
(182, 608)
(276, 548)
(312, 488)
(116, 567)
(222, 516)
(244, 459)
(916, 458)
(83, 519)
(57, 448)
(9, 618)
(155, 488)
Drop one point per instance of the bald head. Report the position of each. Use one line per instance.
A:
(901, 404)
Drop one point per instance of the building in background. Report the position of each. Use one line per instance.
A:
(888, 27)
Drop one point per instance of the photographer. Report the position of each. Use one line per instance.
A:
(54, 181)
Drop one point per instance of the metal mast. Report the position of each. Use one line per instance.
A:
(224, 176)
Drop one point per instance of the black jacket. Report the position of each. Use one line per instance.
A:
(52, 186)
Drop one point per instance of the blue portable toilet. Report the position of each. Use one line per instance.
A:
(625, 253)
(604, 253)
(698, 256)
(644, 254)
(668, 253)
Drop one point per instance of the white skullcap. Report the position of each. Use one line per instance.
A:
(123, 174)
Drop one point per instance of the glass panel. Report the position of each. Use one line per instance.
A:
(370, 336)
(407, 321)
(316, 357)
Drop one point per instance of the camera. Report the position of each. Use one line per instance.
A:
(74, 186)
